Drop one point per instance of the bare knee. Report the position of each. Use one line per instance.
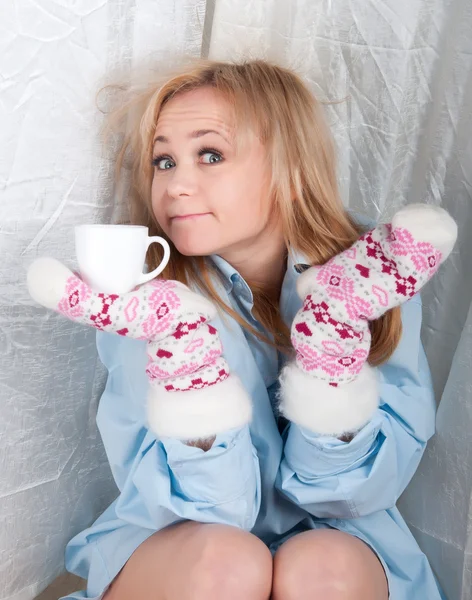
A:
(328, 565)
(230, 563)
(195, 561)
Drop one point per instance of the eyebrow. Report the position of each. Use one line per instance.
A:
(195, 134)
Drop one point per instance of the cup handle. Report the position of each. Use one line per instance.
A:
(145, 277)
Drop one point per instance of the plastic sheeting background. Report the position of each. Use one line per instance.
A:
(403, 134)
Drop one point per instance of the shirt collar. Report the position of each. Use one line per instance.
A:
(296, 264)
(231, 277)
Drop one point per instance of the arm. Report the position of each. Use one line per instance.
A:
(330, 388)
(331, 478)
(156, 476)
(188, 394)
(192, 394)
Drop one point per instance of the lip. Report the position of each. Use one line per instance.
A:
(188, 217)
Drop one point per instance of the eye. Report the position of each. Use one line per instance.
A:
(210, 156)
(163, 163)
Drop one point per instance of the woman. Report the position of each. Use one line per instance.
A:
(233, 164)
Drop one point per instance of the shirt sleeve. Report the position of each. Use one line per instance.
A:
(331, 478)
(155, 476)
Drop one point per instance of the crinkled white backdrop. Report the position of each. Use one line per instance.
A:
(54, 475)
(404, 131)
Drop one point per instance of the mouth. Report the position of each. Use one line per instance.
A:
(189, 217)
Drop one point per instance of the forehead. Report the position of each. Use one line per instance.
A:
(203, 105)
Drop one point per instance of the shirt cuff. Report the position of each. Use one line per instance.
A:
(217, 475)
(178, 451)
(312, 455)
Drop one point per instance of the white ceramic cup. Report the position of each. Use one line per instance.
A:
(111, 257)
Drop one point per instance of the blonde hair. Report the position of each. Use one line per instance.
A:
(274, 103)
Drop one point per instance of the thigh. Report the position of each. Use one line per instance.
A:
(328, 565)
(194, 560)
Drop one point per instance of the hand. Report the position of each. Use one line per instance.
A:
(330, 333)
(184, 349)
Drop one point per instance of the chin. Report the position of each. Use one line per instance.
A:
(192, 239)
(194, 248)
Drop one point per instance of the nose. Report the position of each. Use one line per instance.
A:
(182, 181)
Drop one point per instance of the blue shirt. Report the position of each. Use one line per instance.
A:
(272, 478)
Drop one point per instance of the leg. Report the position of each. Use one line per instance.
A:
(327, 565)
(196, 561)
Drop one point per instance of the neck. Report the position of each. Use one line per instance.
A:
(262, 264)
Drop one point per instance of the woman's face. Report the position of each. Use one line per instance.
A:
(206, 197)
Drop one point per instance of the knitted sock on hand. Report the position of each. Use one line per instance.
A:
(331, 388)
(192, 394)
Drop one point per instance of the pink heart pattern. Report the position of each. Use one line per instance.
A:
(330, 333)
(184, 350)
(131, 309)
(364, 271)
(304, 329)
(194, 344)
(380, 294)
